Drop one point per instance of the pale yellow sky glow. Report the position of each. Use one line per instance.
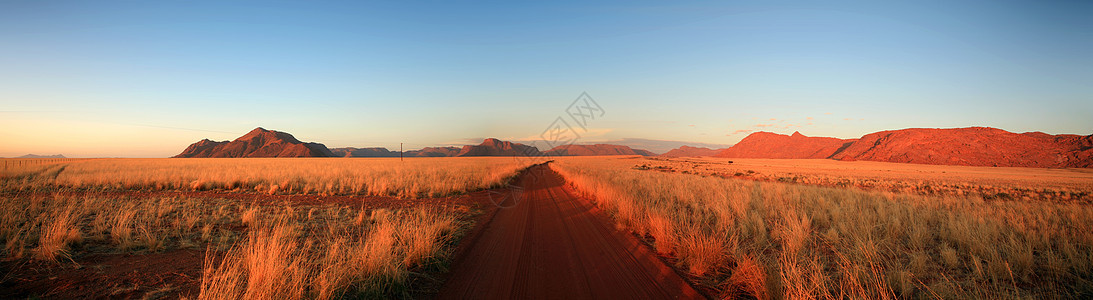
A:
(28, 135)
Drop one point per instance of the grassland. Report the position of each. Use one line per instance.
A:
(255, 252)
(58, 211)
(990, 183)
(769, 229)
(779, 239)
(412, 178)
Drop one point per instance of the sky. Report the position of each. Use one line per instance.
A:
(147, 78)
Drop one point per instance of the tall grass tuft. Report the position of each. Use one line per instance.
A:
(280, 260)
(58, 235)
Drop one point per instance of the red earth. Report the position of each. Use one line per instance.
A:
(107, 275)
(546, 243)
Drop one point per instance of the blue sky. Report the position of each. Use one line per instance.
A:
(145, 79)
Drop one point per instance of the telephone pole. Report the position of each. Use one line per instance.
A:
(399, 151)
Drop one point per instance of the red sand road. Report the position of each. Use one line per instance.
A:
(552, 245)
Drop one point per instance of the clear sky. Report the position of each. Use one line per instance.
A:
(147, 78)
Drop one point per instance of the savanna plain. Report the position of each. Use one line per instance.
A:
(385, 228)
(804, 229)
(261, 228)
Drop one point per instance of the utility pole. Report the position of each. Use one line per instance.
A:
(399, 151)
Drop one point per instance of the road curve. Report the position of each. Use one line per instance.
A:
(553, 245)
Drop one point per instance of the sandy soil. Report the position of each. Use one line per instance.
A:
(553, 245)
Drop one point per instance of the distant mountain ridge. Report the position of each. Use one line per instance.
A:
(688, 151)
(595, 150)
(971, 146)
(434, 152)
(42, 156)
(660, 146)
(383, 152)
(269, 143)
(363, 152)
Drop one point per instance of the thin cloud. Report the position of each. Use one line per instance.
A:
(763, 125)
(740, 131)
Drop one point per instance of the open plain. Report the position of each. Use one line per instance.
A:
(576, 227)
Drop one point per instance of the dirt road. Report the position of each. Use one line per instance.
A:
(552, 245)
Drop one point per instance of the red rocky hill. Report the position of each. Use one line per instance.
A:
(257, 143)
(495, 147)
(972, 146)
(773, 145)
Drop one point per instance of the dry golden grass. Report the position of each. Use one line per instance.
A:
(57, 235)
(412, 178)
(49, 225)
(1065, 185)
(274, 251)
(284, 252)
(781, 240)
(282, 260)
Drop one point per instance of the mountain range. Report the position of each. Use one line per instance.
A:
(972, 146)
(261, 142)
(688, 151)
(597, 149)
(42, 156)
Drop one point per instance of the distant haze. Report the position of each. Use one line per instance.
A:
(42, 156)
(658, 146)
